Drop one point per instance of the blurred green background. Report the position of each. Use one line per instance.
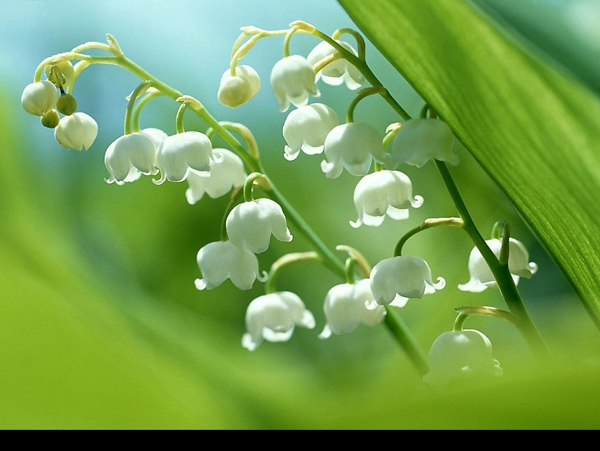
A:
(101, 325)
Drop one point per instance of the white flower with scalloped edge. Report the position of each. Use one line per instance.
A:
(346, 307)
(273, 316)
(338, 71)
(306, 128)
(221, 260)
(180, 153)
(404, 276)
(292, 80)
(249, 225)
(352, 146)
(383, 193)
(481, 276)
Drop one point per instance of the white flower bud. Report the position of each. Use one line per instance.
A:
(39, 97)
(235, 90)
(77, 131)
(461, 355)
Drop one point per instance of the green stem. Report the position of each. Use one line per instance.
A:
(504, 279)
(403, 336)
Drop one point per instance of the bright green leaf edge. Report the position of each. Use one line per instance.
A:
(534, 130)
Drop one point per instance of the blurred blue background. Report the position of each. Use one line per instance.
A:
(101, 325)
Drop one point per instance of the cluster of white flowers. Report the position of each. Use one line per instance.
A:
(314, 129)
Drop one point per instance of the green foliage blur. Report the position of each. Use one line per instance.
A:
(101, 326)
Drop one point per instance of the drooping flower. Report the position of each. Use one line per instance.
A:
(39, 97)
(461, 355)
(383, 193)
(405, 276)
(130, 156)
(346, 307)
(338, 71)
(225, 173)
(180, 153)
(77, 131)
(238, 88)
(292, 80)
(273, 316)
(60, 74)
(352, 146)
(420, 140)
(306, 128)
(480, 274)
(221, 260)
(249, 225)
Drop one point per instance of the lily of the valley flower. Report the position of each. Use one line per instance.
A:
(346, 307)
(292, 80)
(461, 355)
(235, 90)
(273, 316)
(420, 140)
(77, 131)
(405, 276)
(249, 225)
(221, 260)
(480, 274)
(383, 193)
(306, 128)
(225, 173)
(338, 71)
(39, 97)
(352, 146)
(180, 153)
(130, 156)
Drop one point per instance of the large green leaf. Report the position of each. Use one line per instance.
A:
(533, 129)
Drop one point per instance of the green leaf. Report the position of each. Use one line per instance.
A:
(532, 128)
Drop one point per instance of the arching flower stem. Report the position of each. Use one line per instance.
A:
(359, 96)
(138, 91)
(465, 311)
(284, 262)
(427, 224)
(507, 287)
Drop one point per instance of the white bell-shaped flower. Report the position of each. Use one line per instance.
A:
(352, 146)
(464, 355)
(383, 193)
(420, 140)
(236, 89)
(130, 156)
(221, 260)
(39, 97)
(226, 172)
(249, 225)
(77, 131)
(346, 307)
(306, 128)
(338, 71)
(273, 316)
(405, 276)
(292, 80)
(180, 153)
(481, 276)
